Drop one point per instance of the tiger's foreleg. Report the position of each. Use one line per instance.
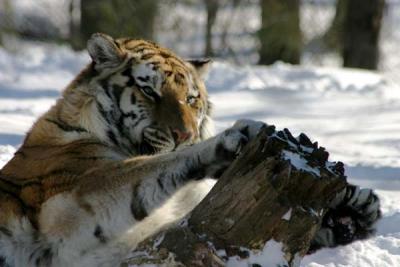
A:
(113, 209)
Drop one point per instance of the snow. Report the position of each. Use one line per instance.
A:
(354, 114)
(299, 162)
(270, 255)
(287, 215)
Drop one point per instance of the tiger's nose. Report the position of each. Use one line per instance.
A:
(181, 136)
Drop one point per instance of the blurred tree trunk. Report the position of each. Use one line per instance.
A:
(280, 34)
(226, 26)
(6, 20)
(333, 37)
(75, 38)
(212, 10)
(118, 18)
(361, 30)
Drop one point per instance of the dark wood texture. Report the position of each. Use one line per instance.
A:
(275, 175)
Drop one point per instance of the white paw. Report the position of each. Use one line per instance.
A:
(222, 150)
(249, 127)
(231, 142)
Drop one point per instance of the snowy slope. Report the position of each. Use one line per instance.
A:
(354, 114)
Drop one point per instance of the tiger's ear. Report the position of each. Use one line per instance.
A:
(201, 65)
(104, 52)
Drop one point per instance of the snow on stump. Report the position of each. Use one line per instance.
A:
(263, 211)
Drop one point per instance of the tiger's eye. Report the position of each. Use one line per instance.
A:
(148, 90)
(190, 100)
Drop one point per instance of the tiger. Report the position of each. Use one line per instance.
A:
(126, 151)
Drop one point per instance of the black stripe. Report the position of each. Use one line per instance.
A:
(161, 137)
(32, 182)
(45, 259)
(137, 209)
(104, 84)
(174, 184)
(7, 184)
(141, 118)
(140, 48)
(16, 184)
(195, 174)
(5, 231)
(131, 80)
(82, 143)
(133, 99)
(58, 172)
(148, 91)
(159, 182)
(94, 158)
(144, 79)
(120, 125)
(147, 56)
(65, 127)
(11, 192)
(98, 233)
(155, 142)
(112, 137)
(130, 114)
(103, 113)
(113, 118)
(20, 153)
(117, 92)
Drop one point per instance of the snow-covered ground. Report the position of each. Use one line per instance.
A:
(354, 114)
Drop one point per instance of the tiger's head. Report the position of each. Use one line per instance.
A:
(147, 99)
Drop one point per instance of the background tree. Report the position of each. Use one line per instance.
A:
(361, 30)
(5, 18)
(212, 10)
(117, 18)
(280, 34)
(333, 37)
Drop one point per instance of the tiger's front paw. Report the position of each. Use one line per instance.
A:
(229, 144)
(232, 140)
(217, 153)
(249, 128)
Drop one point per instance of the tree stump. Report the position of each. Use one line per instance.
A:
(263, 211)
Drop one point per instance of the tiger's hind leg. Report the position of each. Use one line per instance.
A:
(19, 240)
(353, 216)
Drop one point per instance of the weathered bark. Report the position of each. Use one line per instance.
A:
(361, 30)
(280, 34)
(276, 191)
